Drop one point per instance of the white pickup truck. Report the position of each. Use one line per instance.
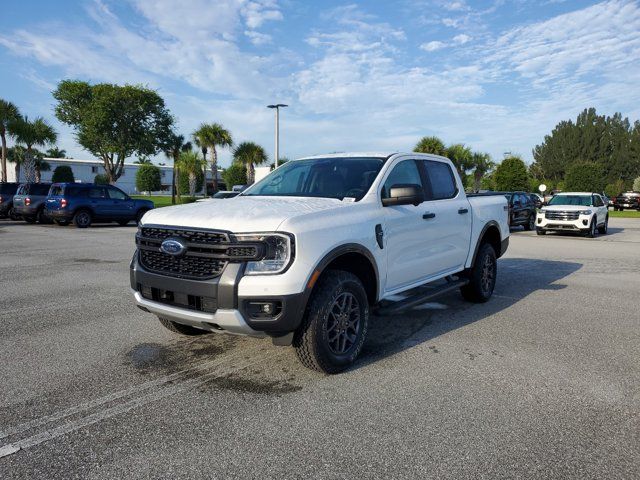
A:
(304, 254)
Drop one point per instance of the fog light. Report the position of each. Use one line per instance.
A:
(147, 292)
(585, 222)
(264, 310)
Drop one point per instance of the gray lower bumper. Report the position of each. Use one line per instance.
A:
(229, 321)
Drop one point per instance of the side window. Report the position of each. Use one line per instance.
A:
(443, 184)
(116, 194)
(405, 172)
(97, 192)
(597, 201)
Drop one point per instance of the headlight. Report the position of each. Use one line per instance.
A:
(585, 212)
(278, 253)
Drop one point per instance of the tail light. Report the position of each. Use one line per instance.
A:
(27, 201)
(0, 198)
(63, 203)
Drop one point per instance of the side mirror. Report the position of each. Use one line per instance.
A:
(404, 194)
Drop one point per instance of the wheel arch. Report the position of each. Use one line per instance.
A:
(490, 233)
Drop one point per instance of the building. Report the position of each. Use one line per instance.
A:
(85, 171)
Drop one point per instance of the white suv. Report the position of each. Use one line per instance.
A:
(582, 212)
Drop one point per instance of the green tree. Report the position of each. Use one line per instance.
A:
(462, 159)
(250, 154)
(511, 175)
(636, 185)
(55, 152)
(143, 160)
(36, 133)
(63, 174)
(148, 178)
(175, 146)
(431, 145)
(16, 155)
(236, 174)
(585, 176)
(114, 122)
(101, 179)
(209, 136)
(9, 113)
(482, 165)
(614, 189)
(190, 166)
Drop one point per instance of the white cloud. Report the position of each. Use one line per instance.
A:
(432, 46)
(258, 38)
(461, 39)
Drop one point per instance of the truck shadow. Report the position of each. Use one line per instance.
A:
(517, 278)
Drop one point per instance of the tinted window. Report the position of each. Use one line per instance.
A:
(597, 201)
(56, 190)
(97, 192)
(8, 188)
(76, 192)
(116, 194)
(405, 172)
(40, 189)
(441, 179)
(578, 200)
(322, 177)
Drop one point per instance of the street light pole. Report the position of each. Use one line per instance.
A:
(277, 109)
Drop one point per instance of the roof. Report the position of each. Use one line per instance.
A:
(96, 162)
(576, 193)
(383, 155)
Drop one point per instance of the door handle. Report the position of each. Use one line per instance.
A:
(428, 215)
(462, 211)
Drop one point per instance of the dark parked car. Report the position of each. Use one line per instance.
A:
(87, 203)
(522, 210)
(629, 200)
(29, 201)
(537, 199)
(7, 191)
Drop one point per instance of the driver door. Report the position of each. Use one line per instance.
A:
(119, 204)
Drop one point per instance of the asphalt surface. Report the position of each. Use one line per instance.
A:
(543, 381)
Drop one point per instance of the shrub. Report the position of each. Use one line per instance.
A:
(614, 189)
(183, 182)
(63, 174)
(585, 177)
(148, 178)
(236, 174)
(511, 175)
(636, 185)
(101, 179)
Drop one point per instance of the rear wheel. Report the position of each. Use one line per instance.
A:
(482, 276)
(335, 323)
(13, 215)
(604, 228)
(181, 329)
(82, 219)
(29, 219)
(41, 217)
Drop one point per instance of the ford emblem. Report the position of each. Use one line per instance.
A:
(173, 247)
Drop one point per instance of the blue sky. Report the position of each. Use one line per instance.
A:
(495, 75)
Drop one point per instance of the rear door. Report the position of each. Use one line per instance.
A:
(99, 202)
(450, 225)
(21, 194)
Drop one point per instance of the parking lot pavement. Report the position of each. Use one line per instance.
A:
(540, 382)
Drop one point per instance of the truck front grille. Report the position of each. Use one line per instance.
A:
(206, 254)
(561, 215)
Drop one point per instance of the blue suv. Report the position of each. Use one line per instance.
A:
(85, 203)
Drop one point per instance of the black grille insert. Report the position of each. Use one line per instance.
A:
(205, 256)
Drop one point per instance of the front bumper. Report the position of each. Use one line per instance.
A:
(579, 225)
(214, 304)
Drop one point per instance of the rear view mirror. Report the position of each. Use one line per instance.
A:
(404, 194)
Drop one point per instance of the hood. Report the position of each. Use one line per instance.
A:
(565, 208)
(239, 214)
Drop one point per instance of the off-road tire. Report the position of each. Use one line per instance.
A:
(482, 276)
(82, 219)
(181, 329)
(312, 342)
(540, 231)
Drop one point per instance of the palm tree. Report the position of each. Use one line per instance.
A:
(31, 134)
(173, 149)
(143, 161)
(210, 136)
(190, 163)
(16, 156)
(250, 154)
(8, 114)
(461, 157)
(431, 145)
(40, 165)
(56, 152)
(482, 164)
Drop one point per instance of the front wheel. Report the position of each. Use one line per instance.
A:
(335, 323)
(592, 229)
(139, 216)
(13, 215)
(62, 223)
(531, 224)
(482, 276)
(29, 219)
(123, 223)
(604, 228)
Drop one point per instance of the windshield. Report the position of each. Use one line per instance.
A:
(321, 177)
(578, 200)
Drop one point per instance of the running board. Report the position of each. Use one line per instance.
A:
(421, 297)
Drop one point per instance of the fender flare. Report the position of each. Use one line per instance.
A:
(488, 225)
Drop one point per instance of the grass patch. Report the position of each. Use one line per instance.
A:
(624, 214)
(164, 200)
